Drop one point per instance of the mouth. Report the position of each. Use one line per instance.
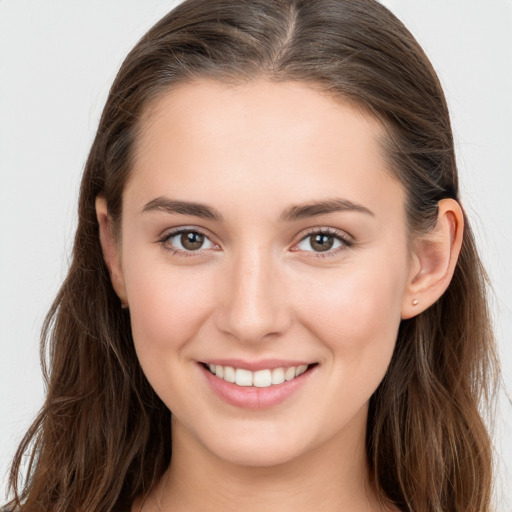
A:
(261, 378)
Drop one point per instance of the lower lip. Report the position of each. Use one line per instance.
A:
(250, 397)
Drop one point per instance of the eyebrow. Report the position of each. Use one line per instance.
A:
(183, 207)
(302, 211)
(291, 214)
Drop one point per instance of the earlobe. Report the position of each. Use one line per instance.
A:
(434, 261)
(110, 249)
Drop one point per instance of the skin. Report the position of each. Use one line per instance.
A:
(259, 289)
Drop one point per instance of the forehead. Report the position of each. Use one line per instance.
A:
(258, 110)
(284, 139)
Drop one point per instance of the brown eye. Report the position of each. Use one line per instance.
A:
(186, 241)
(321, 242)
(191, 240)
(324, 242)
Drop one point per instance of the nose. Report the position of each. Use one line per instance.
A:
(253, 306)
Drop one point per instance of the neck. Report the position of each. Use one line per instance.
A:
(331, 477)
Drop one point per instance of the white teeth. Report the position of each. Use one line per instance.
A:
(277, 376)
(260, 378)
(229, 373)
(301, 369)
(289, 374)
(243, 377)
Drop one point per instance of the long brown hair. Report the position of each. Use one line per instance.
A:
(102, 436)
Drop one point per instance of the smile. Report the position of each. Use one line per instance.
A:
(260, 378)
(266, 384)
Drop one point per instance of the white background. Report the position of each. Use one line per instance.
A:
(57, 61)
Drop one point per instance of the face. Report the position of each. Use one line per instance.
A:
(262, 237)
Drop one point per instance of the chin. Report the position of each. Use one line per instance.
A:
(263, 450)
(258, 456)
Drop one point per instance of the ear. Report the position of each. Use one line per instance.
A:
(110, 248)
(434, 260)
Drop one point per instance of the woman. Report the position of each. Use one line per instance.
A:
(271, 247)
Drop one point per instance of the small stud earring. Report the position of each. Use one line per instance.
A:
(415, 302)
(124, 305)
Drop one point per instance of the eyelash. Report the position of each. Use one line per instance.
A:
(345, 241)
(165, 239)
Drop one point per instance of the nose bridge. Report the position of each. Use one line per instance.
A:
(254, 306)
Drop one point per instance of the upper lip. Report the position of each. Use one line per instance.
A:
(262, 364)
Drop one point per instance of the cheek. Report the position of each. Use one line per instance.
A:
(168, 304)
(356, 317)
(356, 312)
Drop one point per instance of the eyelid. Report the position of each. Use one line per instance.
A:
(346, 241)
(168, 234)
